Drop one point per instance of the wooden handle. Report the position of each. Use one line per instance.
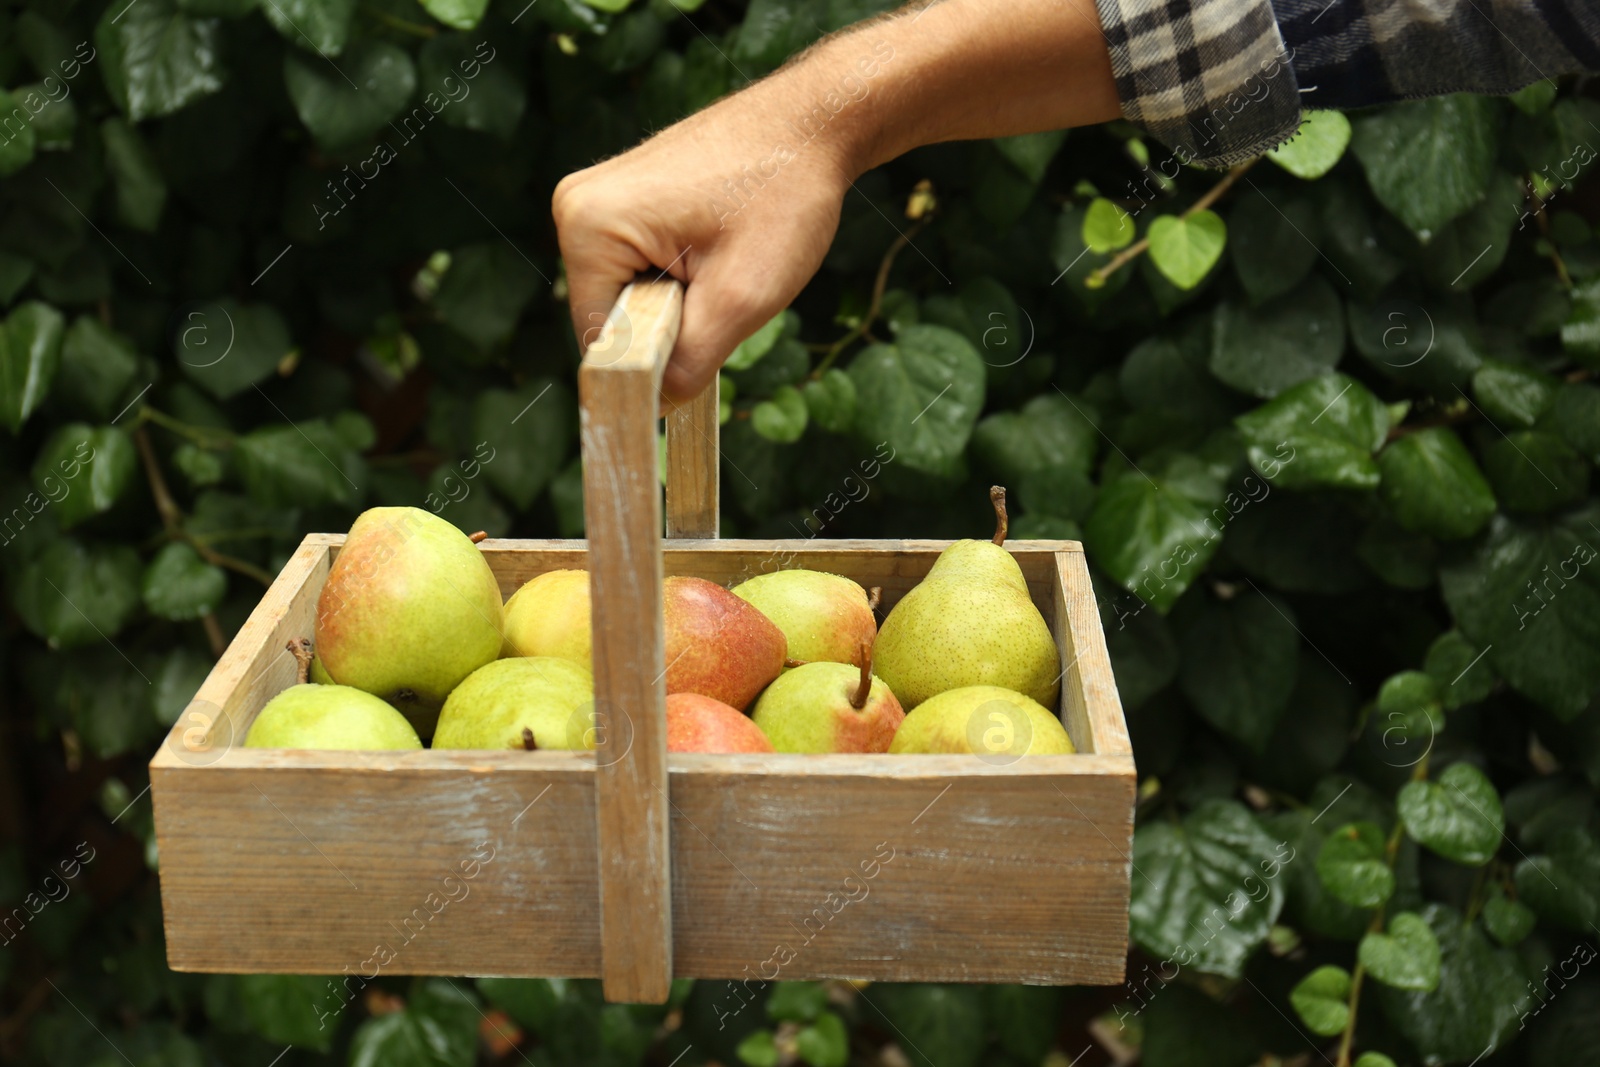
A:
(619, 389)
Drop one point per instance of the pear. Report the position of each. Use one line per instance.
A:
(969, 622)
(829, 707)
(330, 716)
(718, 645)
(549, 616)
(823, 616)
(528, 702)
(410, 608)
(700, 724)
(985, 720)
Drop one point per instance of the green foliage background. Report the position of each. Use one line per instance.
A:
(1330, 445)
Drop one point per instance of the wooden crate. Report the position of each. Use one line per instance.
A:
(575, 864)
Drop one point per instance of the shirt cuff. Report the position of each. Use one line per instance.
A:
(1210, 79)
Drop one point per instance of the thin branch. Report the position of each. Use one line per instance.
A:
(878, 286)
(1098, 277)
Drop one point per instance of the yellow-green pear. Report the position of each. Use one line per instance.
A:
(985, 720)
(410, 608)
(524, 702)
(969, 622)
(330, 716)
(549, 616)
(823, 616)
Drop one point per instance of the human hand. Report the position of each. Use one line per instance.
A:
(707, 201)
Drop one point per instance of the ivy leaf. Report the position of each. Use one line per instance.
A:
(529, 434)
(226, 347)
(73, 595)
(1532, 472)
(1459, 670)
(1322, 1000)
(1510, 393)
(485, 290)
(1432, 486)
(1575, 417)
(495, 94)
(30, 352)
(1459, 816)
(947, 1019)
(1374, 1059)
(831, 400)
(796, 1002)
(97, 365)
(921, 393)
(1264, 350)
(1481, 995)
(1429, 160)
(1239, 662)
(1273, 245)
(1508, 921)
(781, 419)
(1030, 153)
(749, 351)
(84, 470)
(1530, 594)
(1213, 893)
(1150, 538)
(141, 190)
(1185, 249)
(1437, 347)
(758, 1049)
(179, 585)
(1049, 431)
(16, 150)
(318, 26)
(1077, 262)
(1353, 868)
(1106, 226)
(1563, 883)
(824, 1043)
(290, 1009)
(1024, 1018)
(1580, 334)
(299, 465)
(345, 104)
(1332, 426)
(1407, 957)
(155, 59)
(461, 14)
(1317, 145)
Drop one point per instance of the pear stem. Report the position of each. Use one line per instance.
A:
(864, 690)
(997, 497)
(874, 595)
(528, 744)
(479, 536)
(301, 648)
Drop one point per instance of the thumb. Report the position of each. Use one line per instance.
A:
(718, 313)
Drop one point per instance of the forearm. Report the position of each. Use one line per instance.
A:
(941, 71)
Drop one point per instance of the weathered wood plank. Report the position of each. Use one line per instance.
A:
(693, 489)
(618, 388)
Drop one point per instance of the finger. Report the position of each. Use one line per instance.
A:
(718, 313)
(594, 281)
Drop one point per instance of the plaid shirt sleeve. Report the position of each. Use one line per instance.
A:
(1220, 81)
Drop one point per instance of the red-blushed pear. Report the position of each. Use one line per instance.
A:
(823, 616)
(984, 720)
(718, 645)
(549, 616)
(527, 702)
(701, 724)
(969, 622)
(410, 608)
(330, 716)
(830, 707)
